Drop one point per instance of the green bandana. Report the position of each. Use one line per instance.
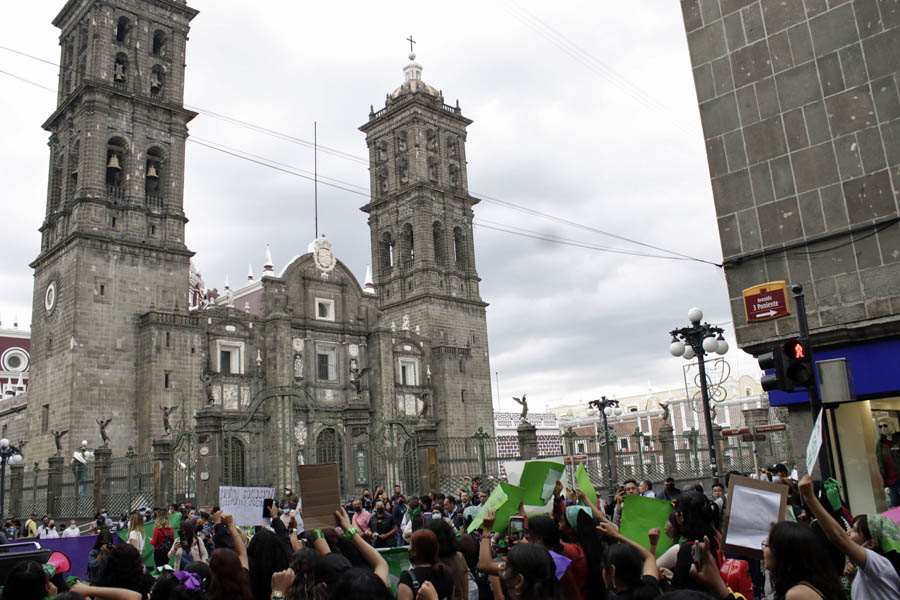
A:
(833, 493)
(415, 512)
(885, 532)
(572, 514)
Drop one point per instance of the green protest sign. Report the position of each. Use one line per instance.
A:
(639, 515)
(583, 482)
(539, 477)
(505, 499)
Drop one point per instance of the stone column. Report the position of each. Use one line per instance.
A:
(426, 447)
(667, 443)
(162, 472)
(16, 481)
(102, 457)
(54, 484)
(210, 456)
(527, 434)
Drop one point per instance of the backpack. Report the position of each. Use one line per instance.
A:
(736, 575)
(168, 540)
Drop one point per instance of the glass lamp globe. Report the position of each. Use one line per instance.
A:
(689, 353)
(722, 346)
(695, 315)
(676, 348)
(4, 443)
(608, 411)
(710, 344)
(15, 459)
(618, 411)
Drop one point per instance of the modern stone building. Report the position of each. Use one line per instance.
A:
(300, 366)
(801, 116)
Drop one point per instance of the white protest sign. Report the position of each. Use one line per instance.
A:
(815, 443)
(244, 503)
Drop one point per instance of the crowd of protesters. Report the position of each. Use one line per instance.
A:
(819, 551)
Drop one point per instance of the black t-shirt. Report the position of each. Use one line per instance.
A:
(682, 579)
(443, 584)
(382, 524)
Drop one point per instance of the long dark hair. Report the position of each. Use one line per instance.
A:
(227, 580)
(186, 535)
(445, 536)
(267, 555)
(303, 564)
(699, 516)
(124, 569)
(595, 546)
(630, 570)
(534, 564)
(360, 584)
(800, 559)
(103, 537)
(26, 581)
(547, 530)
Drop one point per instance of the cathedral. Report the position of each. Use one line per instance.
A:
(301, 365)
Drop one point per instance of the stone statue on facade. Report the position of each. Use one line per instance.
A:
(665, 408)
(103, 435)
(524, 404)
(57, 437)
(166, 410)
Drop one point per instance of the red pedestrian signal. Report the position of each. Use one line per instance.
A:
(799, 368)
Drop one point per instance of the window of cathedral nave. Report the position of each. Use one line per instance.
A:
(326, 362)
(409, 371)
(324, 309)
(229, 357)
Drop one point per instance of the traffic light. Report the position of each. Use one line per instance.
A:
(799, 368)
(773, 361)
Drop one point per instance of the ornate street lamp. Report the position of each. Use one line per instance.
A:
(607, 407)
(699, 340)
(8, 454)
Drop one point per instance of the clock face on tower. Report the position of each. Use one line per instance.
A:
(50, 297)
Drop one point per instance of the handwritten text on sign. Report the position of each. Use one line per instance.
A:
(244, 503)
(766, 301)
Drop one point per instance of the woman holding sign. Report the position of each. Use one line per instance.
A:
(873, 547)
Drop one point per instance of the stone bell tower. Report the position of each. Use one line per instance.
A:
(112, 240)
(420, 217)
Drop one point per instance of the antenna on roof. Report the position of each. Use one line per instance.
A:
(316, 175)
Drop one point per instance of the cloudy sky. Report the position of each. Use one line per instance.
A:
(583, 111)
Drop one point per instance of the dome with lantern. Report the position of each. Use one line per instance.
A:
(413, 83)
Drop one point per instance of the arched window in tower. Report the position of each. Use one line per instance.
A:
(69, 67)
(432, 169)
(403, 171)
(453, 178)
(159, 43)
(407, 248)
(56, 184)
(153, 177)
(459, 248)
(115, 166)
(401, 141)
(120, 70)
(386, 252)
(157, 78)
(72, 182)
(440, 243)
(122, 29)
(237, 458)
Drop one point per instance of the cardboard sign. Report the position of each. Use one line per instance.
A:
(320, 493)
(245, 504)
(640, 515)
(753, 506)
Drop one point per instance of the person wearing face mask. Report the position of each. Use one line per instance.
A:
(383, 527)
(48, 530)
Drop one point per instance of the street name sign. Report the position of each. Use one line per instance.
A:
(766, 301)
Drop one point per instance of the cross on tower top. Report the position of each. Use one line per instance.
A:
(411, 42)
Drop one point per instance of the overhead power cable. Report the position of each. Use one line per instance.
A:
(341, 184)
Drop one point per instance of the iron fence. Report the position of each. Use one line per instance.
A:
(130, 483)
